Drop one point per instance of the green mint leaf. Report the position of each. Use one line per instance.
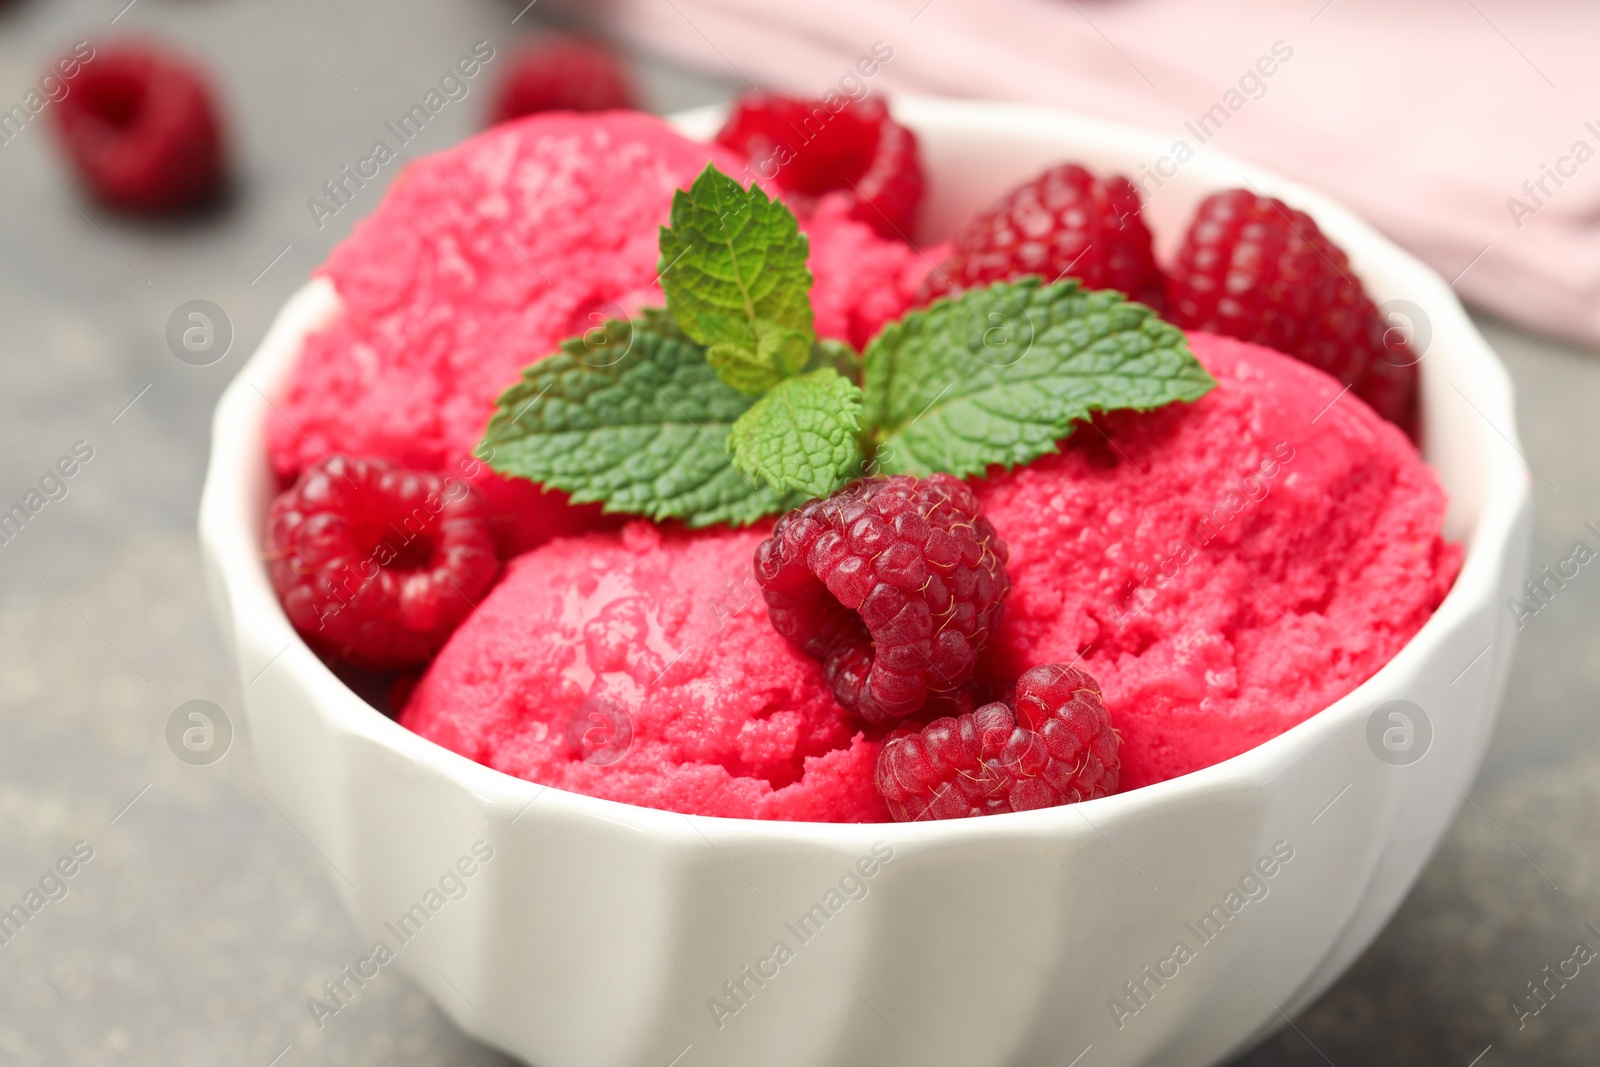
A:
(733, 267)
(801, 435)
(1000, 374)
(634, 416)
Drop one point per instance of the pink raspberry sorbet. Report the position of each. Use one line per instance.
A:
(640, 666)
(481, 259)
(1225, 568)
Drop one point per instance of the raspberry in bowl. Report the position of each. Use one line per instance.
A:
(608, 930)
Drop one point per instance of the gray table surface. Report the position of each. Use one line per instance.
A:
(203, 921)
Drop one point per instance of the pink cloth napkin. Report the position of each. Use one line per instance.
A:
(1468, 130)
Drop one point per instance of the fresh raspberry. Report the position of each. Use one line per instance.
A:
(1254, 268)
(1056, 747)
(1064, 223)
(893, 583)
(564, 73)
(807, 149)
(142, 128)
(376, 564)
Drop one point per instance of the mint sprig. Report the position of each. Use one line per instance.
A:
(733, 267)
(1000, 374)
(725, 407)
(634, 416)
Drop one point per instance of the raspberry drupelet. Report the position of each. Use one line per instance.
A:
(1055, 747)
(894, 584)
(375, 564)
(1066, 223)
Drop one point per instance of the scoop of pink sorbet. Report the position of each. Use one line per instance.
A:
(482, 258)
(1225, 568)
(640, 666)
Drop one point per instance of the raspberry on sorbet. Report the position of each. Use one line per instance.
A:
(143, 130)
(1065, 223)
(1253, 268)
(809, 149)
(894, 584)
(1055, 746)
(376, 565)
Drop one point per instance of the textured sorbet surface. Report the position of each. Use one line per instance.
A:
(481, 259)
(1225, 568)
(660, 641)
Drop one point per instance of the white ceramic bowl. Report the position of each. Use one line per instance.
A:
(602, 934)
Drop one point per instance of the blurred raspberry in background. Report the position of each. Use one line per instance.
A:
(833, 146)
(143, 131)
(564, 73)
